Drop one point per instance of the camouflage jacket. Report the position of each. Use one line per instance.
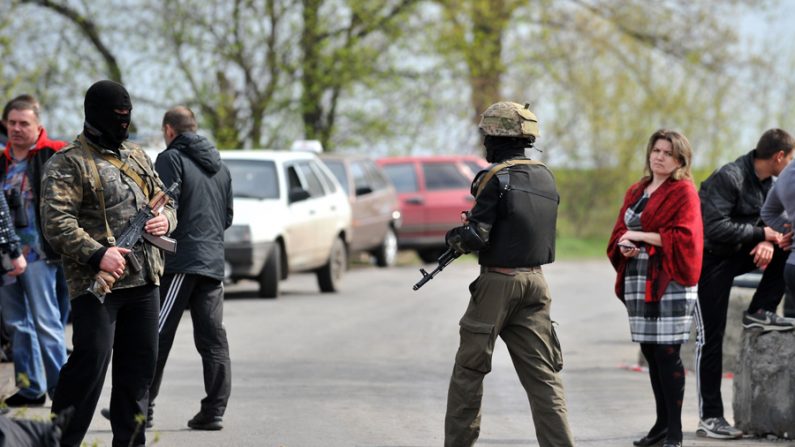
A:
(72, 220)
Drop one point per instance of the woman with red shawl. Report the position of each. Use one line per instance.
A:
(656, 248)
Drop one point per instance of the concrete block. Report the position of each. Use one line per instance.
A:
(764, 384)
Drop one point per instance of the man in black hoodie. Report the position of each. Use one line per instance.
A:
(194, 275)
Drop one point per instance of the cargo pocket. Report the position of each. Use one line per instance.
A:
(557, 354)
(473, 285)
(477, 345)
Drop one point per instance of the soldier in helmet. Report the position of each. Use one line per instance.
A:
(512, 227)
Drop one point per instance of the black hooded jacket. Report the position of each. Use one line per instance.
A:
(204, 204)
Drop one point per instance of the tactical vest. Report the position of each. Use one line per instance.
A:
(523, 234)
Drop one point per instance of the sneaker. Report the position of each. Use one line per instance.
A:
(717, 428)
(18, 400)
(149, 416)
(767, 321)
(206, 422)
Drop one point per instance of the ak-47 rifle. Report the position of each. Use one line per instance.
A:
(444, 260)
(134, 232)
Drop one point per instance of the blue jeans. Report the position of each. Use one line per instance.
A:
(33, 316)
(62, 290)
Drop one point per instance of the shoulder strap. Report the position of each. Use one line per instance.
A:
(500, 167)
(127, 170)
(98, 188)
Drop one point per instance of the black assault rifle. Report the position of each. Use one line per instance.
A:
(133, 233)
(444, 260)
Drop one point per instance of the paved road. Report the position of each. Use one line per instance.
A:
(369, 367)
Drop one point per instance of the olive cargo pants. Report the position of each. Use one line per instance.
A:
(515, 307)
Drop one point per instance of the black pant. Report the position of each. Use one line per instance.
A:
(125, 326)
(667, 375)
(714, 287)
(789, 299)
(205, 296)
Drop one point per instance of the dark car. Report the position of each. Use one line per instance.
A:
(375, 211)
(433, 190)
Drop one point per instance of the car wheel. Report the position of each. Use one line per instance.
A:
(386, 253)
(330, 275)
(271, 273)
(430, 255)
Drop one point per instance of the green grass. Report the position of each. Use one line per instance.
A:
(567, 249)
(571, 248)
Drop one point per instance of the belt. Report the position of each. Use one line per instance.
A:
(509, 270)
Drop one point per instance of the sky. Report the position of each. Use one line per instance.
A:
(778, 25)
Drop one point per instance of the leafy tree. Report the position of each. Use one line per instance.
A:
(341, 47)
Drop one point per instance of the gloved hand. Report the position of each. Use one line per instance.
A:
(454, 240)
(105, 281)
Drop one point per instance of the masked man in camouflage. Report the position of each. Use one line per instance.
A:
(512, 227)
(90, 191)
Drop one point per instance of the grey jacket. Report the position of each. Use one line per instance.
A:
(780, 204)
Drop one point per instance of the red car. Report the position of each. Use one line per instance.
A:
(432, 190)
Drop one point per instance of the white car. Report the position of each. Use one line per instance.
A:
(291, 215)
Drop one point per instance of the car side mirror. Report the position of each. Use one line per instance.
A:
(298, 194)
(362, 190)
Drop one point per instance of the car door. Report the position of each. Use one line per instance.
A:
(368, 229)
(302, 210)
(325, 212)
(446, 196)
(405, 178)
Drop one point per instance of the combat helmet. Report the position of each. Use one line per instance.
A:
(509, 119)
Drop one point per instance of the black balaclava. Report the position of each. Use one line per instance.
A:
(499, 149)
(103, 125)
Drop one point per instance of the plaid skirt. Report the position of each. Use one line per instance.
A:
(666, 322)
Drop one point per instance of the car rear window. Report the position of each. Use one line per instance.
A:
(403, 176)
(254, 179)
(337, 167)
(377, 179)
(440, 176)
(313, 183)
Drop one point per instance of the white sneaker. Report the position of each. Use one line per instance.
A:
(717, 428)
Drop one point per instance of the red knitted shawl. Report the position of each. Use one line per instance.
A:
(674, 211)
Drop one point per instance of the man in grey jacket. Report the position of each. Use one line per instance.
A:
(194, 275)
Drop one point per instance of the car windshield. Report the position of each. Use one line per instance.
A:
(254, 178)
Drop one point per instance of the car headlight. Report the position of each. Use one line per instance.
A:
(238, 233)
(397, 218)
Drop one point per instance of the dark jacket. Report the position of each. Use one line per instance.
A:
(37, 158)
(512, 223)
(9, 241)
(204, 204)
(731, 199)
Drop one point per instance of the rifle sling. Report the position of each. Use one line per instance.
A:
(99, 190)
(495, 169)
